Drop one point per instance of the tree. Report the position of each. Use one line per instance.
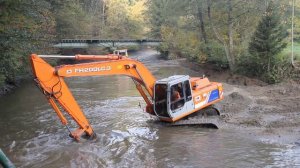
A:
(267, 42)
(164, 13)
(72, 20)
(25, 27)
(221, 28)
(31, 26)
(123, 19)
(230, 23)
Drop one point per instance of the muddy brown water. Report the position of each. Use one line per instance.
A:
(32, 135)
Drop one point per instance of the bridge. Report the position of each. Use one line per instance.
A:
(105, 43)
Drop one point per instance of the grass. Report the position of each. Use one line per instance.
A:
(288, 51)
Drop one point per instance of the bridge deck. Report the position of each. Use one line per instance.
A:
(86, 43)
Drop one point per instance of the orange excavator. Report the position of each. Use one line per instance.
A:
(170, 99)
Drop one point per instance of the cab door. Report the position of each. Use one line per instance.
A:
(161, 100)
(180, 99)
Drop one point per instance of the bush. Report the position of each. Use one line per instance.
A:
(179, 43)
(217, 55)
(251, 66)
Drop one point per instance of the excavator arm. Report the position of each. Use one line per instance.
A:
(51, 82)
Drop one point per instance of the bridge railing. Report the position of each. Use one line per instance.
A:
(112, 43)
(91, 41)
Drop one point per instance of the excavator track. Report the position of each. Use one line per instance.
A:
(208, 117)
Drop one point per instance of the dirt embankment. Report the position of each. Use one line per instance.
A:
(270, 112)
(10, 87)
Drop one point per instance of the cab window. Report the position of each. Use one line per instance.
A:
(187, 90)
(177, 96)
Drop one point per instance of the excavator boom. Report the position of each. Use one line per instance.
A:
(51, 82)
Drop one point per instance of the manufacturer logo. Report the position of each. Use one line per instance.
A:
(69, 71)
(92, 69)
(198, 98)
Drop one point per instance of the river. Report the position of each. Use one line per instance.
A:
(32, 135)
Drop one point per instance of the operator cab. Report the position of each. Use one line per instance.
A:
(122, 52)
(173, 97)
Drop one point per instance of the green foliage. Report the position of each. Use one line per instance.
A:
(113, 19)
(72, 20)
(164, 13)
(180, 43)
(217, 56)
(192, 17)
(31, 26)
(287, 52)
(267, 42)
(121, 22)
(268, 38)
(297, 22)
(223, 33)
(23, 27)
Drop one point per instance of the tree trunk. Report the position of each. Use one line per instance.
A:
(104, 17)
(228, 46)
(230, 34)
(269, 64)
(203, 35)
(200, 17)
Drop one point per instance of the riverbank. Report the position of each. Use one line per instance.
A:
(268, 112)
(7, 88)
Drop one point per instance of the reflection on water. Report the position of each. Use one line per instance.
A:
(32, 135)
